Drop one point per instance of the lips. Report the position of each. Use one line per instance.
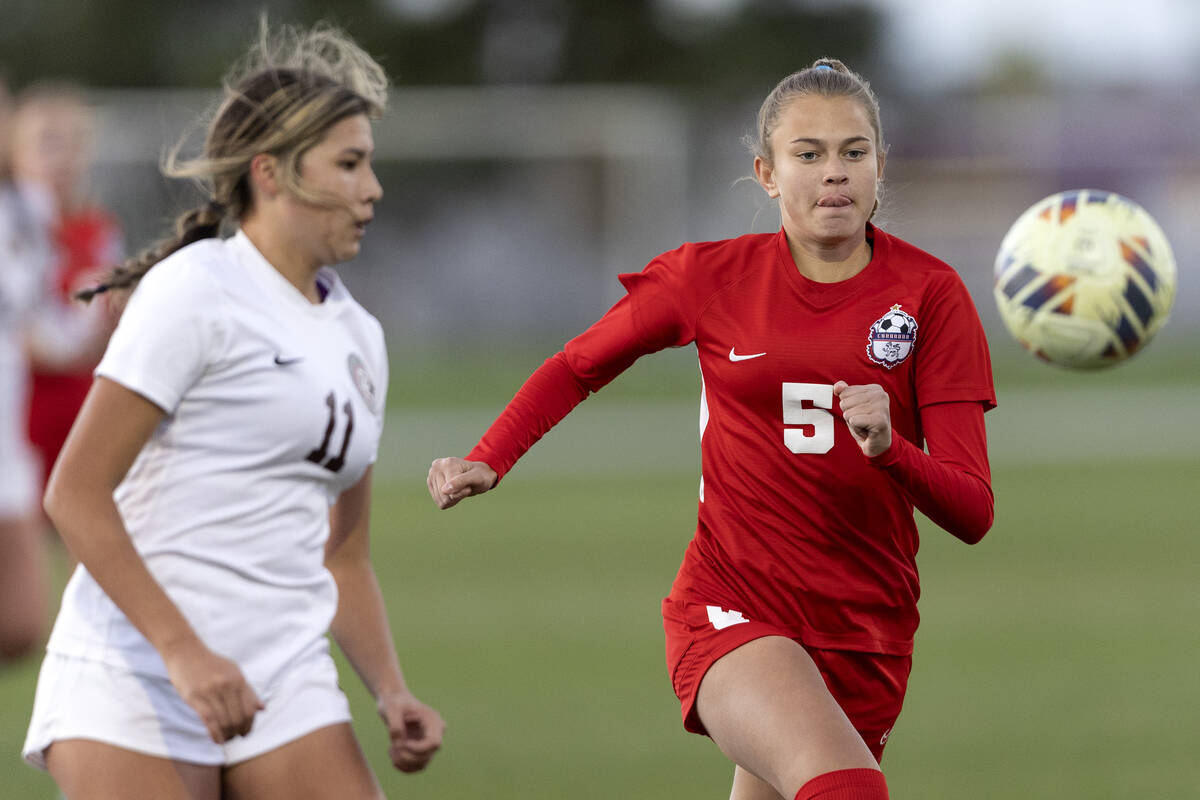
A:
(834, 201)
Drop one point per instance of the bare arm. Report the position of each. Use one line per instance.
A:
(113, 426)
(361, 629)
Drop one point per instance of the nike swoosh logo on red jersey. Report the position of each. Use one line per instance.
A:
(735, 357)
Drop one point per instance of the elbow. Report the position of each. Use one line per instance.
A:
(974, 534)
(57, 501)
(21, 642)
(979, 515)
(973, 530)
(52, 501)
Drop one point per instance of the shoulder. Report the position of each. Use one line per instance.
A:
(708, 266)
(337, 293)
(362, 323)
(739, 251)
(916, 267)
(200, 262)
(190, 281)
(907, 256)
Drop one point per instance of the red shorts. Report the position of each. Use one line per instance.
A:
(868, 686)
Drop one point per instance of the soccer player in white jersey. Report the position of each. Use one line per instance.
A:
(215, 487)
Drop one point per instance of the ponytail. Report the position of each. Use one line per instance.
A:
(203, 222)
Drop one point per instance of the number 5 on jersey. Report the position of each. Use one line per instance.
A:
(318, 456)
(815, 421)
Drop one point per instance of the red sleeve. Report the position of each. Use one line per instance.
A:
(546, 397)
(952, 361)
(952, 483)
(586, 364)
(657, 311)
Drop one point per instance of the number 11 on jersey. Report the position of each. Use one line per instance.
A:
(815, 417)
(318, 456)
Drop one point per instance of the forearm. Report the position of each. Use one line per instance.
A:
(361, 628)
(587, 363)
(546, 397)
(950, 484)
(93, 530)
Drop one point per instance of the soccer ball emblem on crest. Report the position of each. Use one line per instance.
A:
(892, 337)
(1084, 279)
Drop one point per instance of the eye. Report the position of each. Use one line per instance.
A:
(808, 155)
(856, 154)
(348, 164)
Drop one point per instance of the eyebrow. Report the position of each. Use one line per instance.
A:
(354, 151)
(851, 140)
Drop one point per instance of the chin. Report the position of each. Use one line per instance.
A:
(835, 234)
(346, 253)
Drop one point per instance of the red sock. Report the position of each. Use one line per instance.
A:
(846, 784)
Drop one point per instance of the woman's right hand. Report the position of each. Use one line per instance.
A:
(451, 479)
(215, 688)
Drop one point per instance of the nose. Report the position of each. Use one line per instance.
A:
(835, 173)
(373, 189)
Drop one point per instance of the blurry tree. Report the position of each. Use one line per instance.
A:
(708, 46)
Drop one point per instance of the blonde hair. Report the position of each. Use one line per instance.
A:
(827, 77)
(281, 98)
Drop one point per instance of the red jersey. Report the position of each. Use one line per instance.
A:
(796, 526)
(87, 242)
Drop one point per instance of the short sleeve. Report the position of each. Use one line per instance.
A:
(169, 333)
(953, 363)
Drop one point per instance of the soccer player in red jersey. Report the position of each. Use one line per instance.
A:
(52, 148)
(845, 379)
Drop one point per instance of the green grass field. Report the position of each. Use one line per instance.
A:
(1054, 659)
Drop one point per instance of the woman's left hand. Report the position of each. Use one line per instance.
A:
(415, 729)
(867, 411)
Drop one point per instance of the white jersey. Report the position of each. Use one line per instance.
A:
(274, 407)
(25, 255)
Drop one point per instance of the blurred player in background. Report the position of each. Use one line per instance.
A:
(831, 354)
(52, 147)
(216, 485)
(24, 261)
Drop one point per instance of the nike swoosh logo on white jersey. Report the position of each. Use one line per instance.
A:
(735, 357)
(280, 361)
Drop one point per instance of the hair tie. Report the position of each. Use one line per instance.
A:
(824, 66)
(216, 207)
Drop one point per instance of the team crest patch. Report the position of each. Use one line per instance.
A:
(892, 337)
(362, 379)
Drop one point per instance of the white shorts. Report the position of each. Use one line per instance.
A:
(82, 699)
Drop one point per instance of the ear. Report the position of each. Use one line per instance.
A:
(882, 160)
(765, 176)
(264, 174)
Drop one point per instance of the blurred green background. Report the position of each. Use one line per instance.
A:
(1055, 659)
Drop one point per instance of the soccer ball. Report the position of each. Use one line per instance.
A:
(896, 322)
(1084, 279)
